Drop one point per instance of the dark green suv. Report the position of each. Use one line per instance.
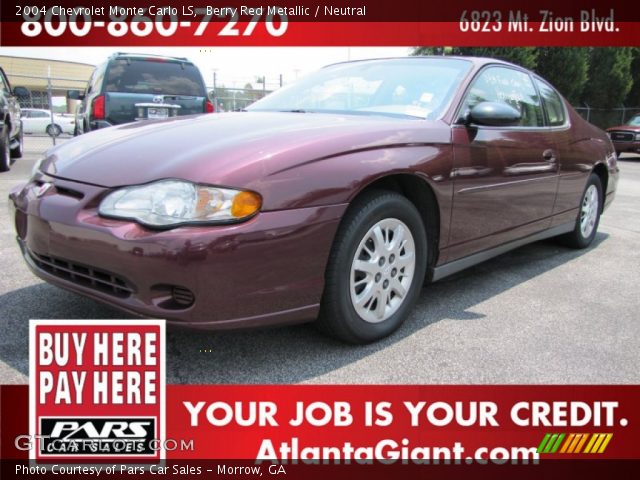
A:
(129, 87)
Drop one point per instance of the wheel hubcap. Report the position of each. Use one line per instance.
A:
(382, 270)
(589, 211)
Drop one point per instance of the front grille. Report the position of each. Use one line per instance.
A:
(83, 275)
(68, 192)
(622, 136)
(183, 296)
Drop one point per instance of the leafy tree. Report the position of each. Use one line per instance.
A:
(431, 51)
(565, 68)
(633, 98)
(610, 77)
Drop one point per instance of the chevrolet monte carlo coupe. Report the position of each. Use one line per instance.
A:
(334, 199)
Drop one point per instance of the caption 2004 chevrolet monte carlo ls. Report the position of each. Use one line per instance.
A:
(333, 199)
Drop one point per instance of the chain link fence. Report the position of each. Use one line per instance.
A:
(607, 117)
(228, 97)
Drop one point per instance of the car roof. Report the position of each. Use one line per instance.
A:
(477, 61)
(147, 56)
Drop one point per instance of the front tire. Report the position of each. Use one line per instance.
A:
(376, 269)
(588, 219)
(5, 150)
(18, 150)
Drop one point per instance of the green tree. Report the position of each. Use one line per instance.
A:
(610, 77)
(633, 98)
(431, 51)
(566, 68)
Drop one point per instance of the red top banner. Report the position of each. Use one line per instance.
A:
(319, 24)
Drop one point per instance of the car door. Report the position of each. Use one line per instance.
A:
(505, 178)
(573, 172)
(27, 121)
(40, 119)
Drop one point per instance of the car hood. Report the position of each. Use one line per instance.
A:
(628, 128)
(229, 149)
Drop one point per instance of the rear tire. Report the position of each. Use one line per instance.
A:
(53, 130)
(586, 226)
(376, 269)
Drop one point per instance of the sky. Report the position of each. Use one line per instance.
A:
(234, 66)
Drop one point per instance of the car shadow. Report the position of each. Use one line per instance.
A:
(288, 354)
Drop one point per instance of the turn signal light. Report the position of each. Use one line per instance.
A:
(245, 204)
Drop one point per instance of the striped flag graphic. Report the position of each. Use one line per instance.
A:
(592, 443)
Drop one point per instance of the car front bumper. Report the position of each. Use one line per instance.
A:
(627, 147)
(268, 270)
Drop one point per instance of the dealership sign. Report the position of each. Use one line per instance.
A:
(97, 390)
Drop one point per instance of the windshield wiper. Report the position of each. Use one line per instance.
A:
(295, 110)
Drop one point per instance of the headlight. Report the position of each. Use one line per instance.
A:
(169, 203)
(637, 137)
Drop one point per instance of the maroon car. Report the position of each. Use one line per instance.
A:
(333, 199)
(626, 138)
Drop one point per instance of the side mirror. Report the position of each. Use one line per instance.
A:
(21, 92)
(74, 95)
(494, 114)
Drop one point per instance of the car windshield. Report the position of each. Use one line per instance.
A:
(411, 87)
(154, 77)
(635, 121)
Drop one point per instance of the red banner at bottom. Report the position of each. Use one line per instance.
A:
(374, 430)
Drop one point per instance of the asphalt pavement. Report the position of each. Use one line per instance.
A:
(540, 314)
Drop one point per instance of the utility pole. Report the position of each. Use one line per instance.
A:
(50, 98)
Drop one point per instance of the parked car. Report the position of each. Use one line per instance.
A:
(626, 138)
(11, 142)
(38, 120)
(129, 87)
(334, 198)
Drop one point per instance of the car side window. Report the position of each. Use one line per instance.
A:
(510, 86)
(553, 103)
(96, 79)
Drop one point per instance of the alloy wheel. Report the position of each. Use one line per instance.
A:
(589, 211)
(382, 270)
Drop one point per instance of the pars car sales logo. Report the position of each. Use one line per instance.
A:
(97, 390)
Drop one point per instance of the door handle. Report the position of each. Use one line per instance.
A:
(549, 156)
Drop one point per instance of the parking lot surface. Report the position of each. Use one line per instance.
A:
(540, 314)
